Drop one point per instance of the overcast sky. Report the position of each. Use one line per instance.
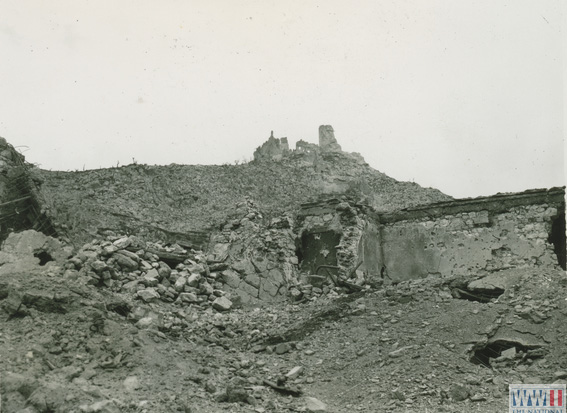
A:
(465, 96)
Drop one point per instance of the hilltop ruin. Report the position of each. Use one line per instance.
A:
(274, 149)
(338, 240)
(301, 281)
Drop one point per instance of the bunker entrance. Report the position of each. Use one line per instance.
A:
(319, 248)
(44, 257)
(479, 295)
(557, 238)
(121, 308)
(500, 351)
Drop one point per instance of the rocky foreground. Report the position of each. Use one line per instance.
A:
(111, 330)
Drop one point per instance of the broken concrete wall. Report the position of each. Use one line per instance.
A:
(261, 260)
(479, 235)
(277, 149)
(369, 250)
(29, 249)
(21, 206)
(338, 233)
(256, 261)
(327, 140)
(307, 147)
(272, 149)
(327, 240)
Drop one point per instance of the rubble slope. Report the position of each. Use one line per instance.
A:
(67, 346)
(161, 200)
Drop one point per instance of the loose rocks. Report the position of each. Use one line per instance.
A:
(222, 304)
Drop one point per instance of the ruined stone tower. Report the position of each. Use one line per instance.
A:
(327, 140)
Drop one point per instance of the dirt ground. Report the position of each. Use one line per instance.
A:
(70, 347)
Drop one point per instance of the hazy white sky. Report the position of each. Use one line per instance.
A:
(464, 96)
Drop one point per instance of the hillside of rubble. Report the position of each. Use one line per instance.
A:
(163, 201)
(151, 289)
(451, 344)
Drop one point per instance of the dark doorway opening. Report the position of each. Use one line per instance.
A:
(319, 248)
(478, 295)
(483, 355)
(557, 238)
(121, 308)
(44, 257)
(299, 255)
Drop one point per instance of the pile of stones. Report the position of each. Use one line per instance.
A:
(128, 264)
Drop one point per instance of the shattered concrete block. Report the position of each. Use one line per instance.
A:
(231, 278)
(243, 266)
(180, 284)
(148, 295)
(222, 304)
(294, 372)
(193, 280)
(314, 405)
(206, 288)
(122, 243)
(145, 265)
(130, 286)
(150, 280)
(250, 290)
(276, 276)
(243, 297)
(189, 297)
(509, 353)
(98, 266)
(13, 303)
(125, 262)
(220, 252)
(270, 288)
(164, 270)
(144, 323)
(108, 250)
(196, 269)
(30, 248)
(253, 280)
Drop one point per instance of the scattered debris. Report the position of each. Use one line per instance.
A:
(293, 391)
(176, 301)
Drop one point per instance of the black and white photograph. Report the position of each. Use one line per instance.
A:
(265, 206)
